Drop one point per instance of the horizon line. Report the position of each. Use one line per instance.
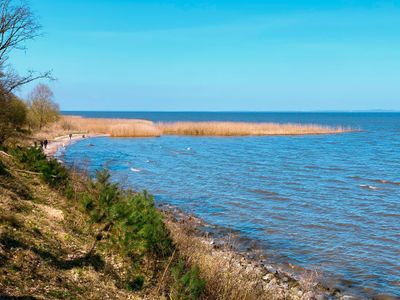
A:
(238, 111)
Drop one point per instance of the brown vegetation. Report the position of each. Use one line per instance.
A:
(229, 275)
(243, 129)
(143, 128)
(112, 127)
(43, 240)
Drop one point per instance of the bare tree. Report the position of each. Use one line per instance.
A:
(41, 107)
(17, 26)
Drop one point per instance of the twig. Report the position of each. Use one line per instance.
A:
(5, 154)
(32, 173)
(27, 172)
(165, 271)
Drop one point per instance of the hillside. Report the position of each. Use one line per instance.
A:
(43, 242)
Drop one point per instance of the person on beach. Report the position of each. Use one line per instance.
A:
(70, 136)
(45, 143)
(41, 144)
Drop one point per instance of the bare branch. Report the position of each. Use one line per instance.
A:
(17, 25)
(11, 80)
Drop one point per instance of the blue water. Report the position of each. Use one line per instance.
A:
(326, 201)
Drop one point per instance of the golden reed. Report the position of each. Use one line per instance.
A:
(144, 128)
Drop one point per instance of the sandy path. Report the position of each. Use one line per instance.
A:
(63, 141)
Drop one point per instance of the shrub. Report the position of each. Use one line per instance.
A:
(187, 285)
(12, 116)
(136, 226)
(136, 284)
(29, 156)
(53, 173)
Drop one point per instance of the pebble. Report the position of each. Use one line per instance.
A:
(300, 293)
(309, 295)
(268, 277)
(271, 269)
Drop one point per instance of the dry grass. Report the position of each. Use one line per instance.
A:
(243, 129)
(229, 275)
(112, 127)
(43, 242)
(143, 128)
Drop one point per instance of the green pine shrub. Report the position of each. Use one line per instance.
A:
(136, 284)
(135, 227)
(53, 172)
(187, 284)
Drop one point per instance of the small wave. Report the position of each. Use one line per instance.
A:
(311, 167)
(389, 215)
(269, 195)
(369, 187)
(264, 192)
(383, 181)
(135, 170)
(336, 169)
(317, 226)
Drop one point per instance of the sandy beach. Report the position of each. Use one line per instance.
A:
(63, 141)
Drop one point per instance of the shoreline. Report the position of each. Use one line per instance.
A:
(287, 280)
(63, 141)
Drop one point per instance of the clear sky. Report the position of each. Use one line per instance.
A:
(228, 55)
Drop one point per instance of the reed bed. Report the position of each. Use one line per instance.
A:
(243, 129)
(144, 128)
(112, 127)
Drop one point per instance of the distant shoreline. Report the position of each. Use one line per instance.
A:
(76, 112)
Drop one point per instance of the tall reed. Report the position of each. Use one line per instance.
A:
(144, 128)
(243, 129)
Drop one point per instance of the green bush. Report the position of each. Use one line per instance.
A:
(187, 285)
(29, 156)
(53, 172)
(137, 226)
(136, 284)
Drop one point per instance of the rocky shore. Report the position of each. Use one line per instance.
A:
(265, 278)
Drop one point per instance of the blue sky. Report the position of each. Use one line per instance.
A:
(297, 55)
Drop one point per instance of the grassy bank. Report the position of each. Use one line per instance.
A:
(143, 128)
(64, 235)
